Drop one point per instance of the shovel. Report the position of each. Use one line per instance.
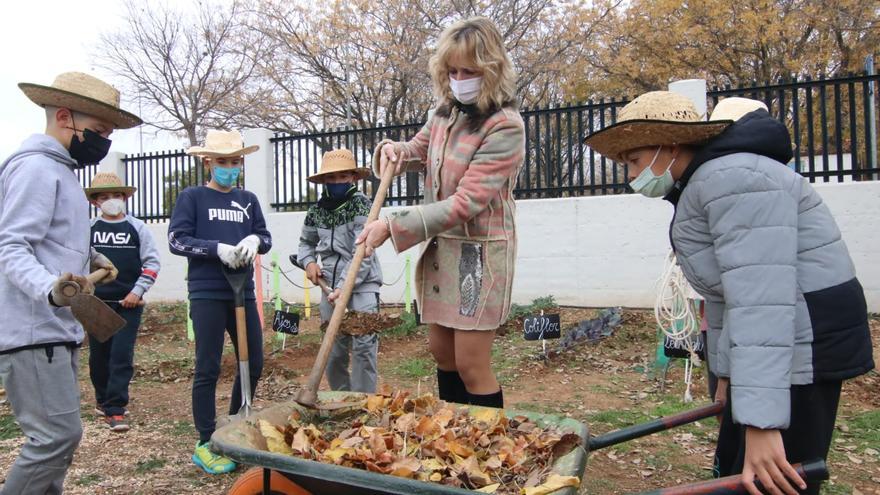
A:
(308, 396)
(98, 319)
(321, 282)
(238, 278)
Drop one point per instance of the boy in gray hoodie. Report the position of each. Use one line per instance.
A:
(44, 241)
(330, 228)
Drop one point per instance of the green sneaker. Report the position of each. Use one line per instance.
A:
(211, 462)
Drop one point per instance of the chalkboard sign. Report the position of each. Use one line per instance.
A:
(285, 322)
(678, 348)
(541, 327)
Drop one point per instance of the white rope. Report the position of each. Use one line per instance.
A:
(675, 314)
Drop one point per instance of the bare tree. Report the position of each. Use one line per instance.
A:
(192, 69)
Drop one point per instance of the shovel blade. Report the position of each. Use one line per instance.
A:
(98, 319)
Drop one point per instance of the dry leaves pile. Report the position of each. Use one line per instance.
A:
(427, 439)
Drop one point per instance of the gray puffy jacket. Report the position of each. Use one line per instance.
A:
(754, 238)
(329, 232)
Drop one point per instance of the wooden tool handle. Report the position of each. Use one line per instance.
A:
(71, 288)
(241, 333)
(308, 396)
(324, 287)
(97, 275)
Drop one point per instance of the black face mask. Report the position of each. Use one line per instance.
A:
(92, 148)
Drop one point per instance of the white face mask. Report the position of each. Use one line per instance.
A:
(113, 207)
(654, 186)
(466, 91)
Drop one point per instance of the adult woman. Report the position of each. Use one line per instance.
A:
(787, 315)
(471, 150)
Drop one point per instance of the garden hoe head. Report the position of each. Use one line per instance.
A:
(98, 319)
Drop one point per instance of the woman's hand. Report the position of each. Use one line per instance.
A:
(721, 392)
(765, 459)
(374, 235)
(388, 154)
(313, 272)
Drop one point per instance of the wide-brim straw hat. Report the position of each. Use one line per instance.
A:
(341, 160)
(220, 144)
(734, 107)
(85, 94)
(657, 118)
(108, 182)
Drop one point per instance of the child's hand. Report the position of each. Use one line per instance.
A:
(765, 459)
(313, 272)
(130, 301)
(374, 235)
(333, 296)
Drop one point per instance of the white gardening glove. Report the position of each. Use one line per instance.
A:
(228, 255)
(247, 249)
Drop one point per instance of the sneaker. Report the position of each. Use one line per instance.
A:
(117, 423)
(210, 462)
(100, 411)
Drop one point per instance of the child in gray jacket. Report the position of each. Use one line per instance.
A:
(330, 230)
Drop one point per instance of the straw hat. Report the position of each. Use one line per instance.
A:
(108, 182)
(653, 119)
(734, 107)
(82, 93)
(219, 144)
(341, 160)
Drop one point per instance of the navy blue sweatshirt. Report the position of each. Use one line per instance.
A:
(204, 217)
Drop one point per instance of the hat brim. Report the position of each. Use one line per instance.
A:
(221, 153)
(128, 191)
(614, 140)
(49, 96)
(320, 177)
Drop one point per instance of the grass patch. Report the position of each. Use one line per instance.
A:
(538, 304)
(181, 428)
(865, 428)
(8, 427)
(151, 464)
(414, 368)
(408, 327)
(88, 479)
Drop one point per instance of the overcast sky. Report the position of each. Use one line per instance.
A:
(42, 38)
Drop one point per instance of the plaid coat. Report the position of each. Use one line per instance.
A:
(465, 270)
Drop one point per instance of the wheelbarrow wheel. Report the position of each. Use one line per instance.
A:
(251, 483)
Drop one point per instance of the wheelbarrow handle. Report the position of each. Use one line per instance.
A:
(810, 471)
(664, 423)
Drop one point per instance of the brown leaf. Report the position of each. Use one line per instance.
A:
(406, 467)
(566, 444)
(554, 482)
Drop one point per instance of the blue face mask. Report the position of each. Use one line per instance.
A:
(226, 176)
(338, 190)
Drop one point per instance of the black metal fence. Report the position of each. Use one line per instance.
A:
(829, 120)
(298, 156)
(159, 178)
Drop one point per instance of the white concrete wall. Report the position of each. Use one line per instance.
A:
(595, 251)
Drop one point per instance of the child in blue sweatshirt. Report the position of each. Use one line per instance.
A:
(210, 225)
(126, 241)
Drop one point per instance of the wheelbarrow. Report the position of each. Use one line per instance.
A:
(242, 442)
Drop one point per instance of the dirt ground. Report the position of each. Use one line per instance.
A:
(607, 384)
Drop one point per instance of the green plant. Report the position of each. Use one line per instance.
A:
(88, 479)
(150, 464)
(414, 368)
(406, 328)
(8, 427)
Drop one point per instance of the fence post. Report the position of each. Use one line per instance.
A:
(695, 89)
(260, 167)
(113, 163)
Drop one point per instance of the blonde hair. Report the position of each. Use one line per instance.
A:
(475, 39)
